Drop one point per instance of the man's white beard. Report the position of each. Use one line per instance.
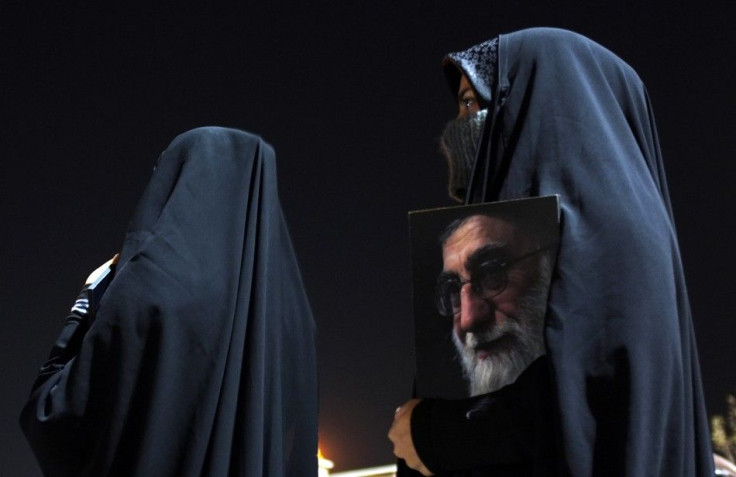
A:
(521, 341)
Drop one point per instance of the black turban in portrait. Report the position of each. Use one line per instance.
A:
(200, 360)
(619, 392)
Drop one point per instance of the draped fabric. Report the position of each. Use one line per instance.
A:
(200, 360)
(568, 117)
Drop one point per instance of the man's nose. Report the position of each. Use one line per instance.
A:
(474, 311)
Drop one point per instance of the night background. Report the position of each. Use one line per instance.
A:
(352, 97)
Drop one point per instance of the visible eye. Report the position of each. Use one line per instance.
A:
(468, 101)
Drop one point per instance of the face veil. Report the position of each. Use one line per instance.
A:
(459, 144)
(568, 117)
(201, 358)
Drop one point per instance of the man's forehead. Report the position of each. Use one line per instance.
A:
(479, 229)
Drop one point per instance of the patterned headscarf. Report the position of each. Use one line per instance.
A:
(479, 63)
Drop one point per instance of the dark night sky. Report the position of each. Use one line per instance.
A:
(352, 97)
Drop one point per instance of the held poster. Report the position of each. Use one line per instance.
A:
(480, 280)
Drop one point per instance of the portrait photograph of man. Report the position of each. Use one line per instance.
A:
(481, 276)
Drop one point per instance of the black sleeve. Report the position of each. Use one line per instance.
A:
(70, 339)
(65, 348)
(501, 428)
(55, 447)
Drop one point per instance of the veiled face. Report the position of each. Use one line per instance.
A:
(459, 141)
(498, 337)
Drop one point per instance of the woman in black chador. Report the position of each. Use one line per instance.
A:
(618, 392)
(199, 358)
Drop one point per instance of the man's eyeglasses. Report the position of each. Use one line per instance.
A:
(488, 278)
